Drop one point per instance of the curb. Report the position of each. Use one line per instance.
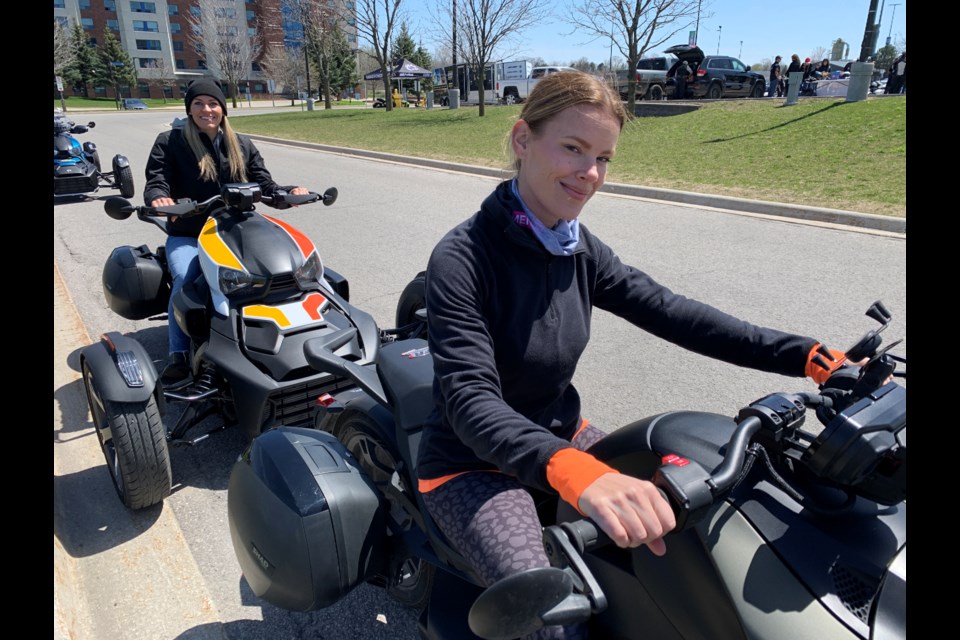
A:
(762, 207)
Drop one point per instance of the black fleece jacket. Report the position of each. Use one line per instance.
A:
(173, 172)
(509, 321)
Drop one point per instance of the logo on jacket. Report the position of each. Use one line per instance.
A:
(417, 353)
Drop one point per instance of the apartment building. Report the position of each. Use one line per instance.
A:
(156, 36)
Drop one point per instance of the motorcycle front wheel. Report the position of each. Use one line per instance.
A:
(412, 299)
(410, 578)
(134, 445)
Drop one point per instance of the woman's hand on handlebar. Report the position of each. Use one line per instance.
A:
(299, 191)
(629, 510)
(164, 202)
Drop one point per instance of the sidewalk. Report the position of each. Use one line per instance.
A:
(100, 549)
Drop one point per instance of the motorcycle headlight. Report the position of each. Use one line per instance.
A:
(234, 281)
(309, 274)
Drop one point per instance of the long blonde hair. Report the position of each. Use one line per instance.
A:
(561, 90)
(205, 161)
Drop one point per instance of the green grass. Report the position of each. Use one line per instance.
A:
(820, 152)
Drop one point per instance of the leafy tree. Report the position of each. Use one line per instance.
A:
(335, 62)
(405, 47)
(422, 58)
(116, 68)
(885, 57)
(636, 26)
(84, 68)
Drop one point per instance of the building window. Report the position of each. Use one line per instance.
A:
(59, 4)
(148, 45)
(254, 66)
(87, 23)
(110, 5)
(174, 27)
(100, 91)
(230, 31)
(180, 64)
(195, 10)
(173, 10)
(146, 63)
(144, 90)
(113, 25)
(251, 15)
(84, 4)
(92, 42)
(349, 5)
(351, 37)
(258, 87)
(201, 64)
(351, 22)
(143, 7)
(62, 20)
(252, 32)
(146, 25)
(177, 45)
(225, 12)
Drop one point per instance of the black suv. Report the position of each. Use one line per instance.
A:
(715, 77)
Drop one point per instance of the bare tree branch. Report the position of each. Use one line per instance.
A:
(375, 22)
(216, 31)
(636, 26)
(63, 52)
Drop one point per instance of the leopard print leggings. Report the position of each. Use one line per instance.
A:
(492, 521)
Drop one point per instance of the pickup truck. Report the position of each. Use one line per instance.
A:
(651, 77)
(517, 90)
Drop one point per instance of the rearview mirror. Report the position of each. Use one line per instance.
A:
(118, 208)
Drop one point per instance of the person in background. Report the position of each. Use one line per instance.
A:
(794, 67)
(775, 77)
(510, 293)
(193, 160)
(807, 69)
(682, 77)
(822, 70)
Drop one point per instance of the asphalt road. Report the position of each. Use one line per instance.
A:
(170, 572)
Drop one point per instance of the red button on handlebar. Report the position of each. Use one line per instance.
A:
(674, 459)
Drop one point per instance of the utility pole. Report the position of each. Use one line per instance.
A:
(866, 46)
(720, 33)
(740, 55)
(696, 36)
(891, 20)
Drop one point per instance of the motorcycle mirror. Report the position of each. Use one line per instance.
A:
(91, 125)
(330, 196)
(118, 208)
(515, 606)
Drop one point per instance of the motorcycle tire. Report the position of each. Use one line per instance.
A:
(410, 578)
(412, 299)
(134, 443)
(124, 178)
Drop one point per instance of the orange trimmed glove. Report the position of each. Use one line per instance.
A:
(822, 362)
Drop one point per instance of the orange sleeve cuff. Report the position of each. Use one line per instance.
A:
(822, 362)
(570, 471)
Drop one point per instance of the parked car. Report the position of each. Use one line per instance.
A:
(715, 77)
(651, 77)
(134, 104)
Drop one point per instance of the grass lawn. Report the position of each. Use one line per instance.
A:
(822, 152)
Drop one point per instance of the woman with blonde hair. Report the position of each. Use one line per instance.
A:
(193, 160)
(509, 296)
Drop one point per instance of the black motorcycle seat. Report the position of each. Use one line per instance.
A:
(406, 369)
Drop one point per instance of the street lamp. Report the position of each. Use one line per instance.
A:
(891, 20)
(740, 55)
(719, 33)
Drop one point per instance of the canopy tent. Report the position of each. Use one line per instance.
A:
(400, 70)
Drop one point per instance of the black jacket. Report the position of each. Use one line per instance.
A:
(173, 171)
(509, 322)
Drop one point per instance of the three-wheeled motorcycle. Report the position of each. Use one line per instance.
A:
(76, 167)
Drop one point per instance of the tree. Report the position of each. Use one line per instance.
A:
(63, 51)
(164, 75)
(818, 54)
(635, 26)
(216, 31)
(375, 22)
(885, 57)
(335, 62)
(282, 65)
(116, 67)
(484, 27)
(85, 67)
(405, 47)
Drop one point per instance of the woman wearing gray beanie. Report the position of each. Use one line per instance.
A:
(193, 160)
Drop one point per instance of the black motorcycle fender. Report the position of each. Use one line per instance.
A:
(356, 400)
(101, 358)
(89, 147)
(120, 161)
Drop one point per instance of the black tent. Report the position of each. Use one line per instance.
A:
(401, 69)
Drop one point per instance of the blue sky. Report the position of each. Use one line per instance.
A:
(749, 29)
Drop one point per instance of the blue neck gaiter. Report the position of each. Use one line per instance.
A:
(562, 240)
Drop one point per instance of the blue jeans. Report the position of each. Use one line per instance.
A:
(773, 88)
(183, 263)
